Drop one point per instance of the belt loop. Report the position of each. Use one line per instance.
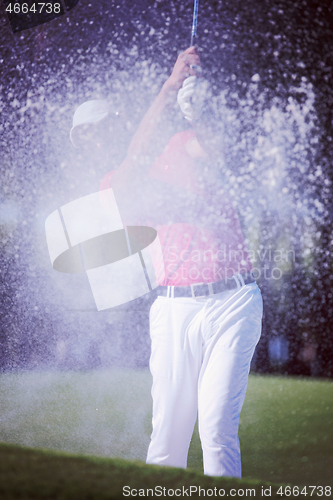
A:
(172, 292)
(210, 289)
(168, 292)
(241, 279)
(238, 282)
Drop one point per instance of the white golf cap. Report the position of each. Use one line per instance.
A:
(89, 112)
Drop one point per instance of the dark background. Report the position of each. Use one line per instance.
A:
(272, 61)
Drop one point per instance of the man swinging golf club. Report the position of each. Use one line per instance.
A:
(206, 322)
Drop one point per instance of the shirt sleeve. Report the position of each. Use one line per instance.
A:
(186, 135)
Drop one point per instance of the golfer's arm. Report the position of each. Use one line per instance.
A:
(142, 139)
(145, 137)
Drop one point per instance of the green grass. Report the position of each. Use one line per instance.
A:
(37, 474)
(286, 428)
(286, 431)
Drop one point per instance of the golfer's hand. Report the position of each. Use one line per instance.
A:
(191, 97)
(187, 64)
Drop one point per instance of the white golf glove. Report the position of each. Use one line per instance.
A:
(191, 97)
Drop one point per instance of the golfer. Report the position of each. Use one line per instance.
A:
(206, 322)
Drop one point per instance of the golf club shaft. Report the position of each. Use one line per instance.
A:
(195, 21)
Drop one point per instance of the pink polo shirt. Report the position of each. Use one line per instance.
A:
(197, 226)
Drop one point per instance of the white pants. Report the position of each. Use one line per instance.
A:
(200, 361)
